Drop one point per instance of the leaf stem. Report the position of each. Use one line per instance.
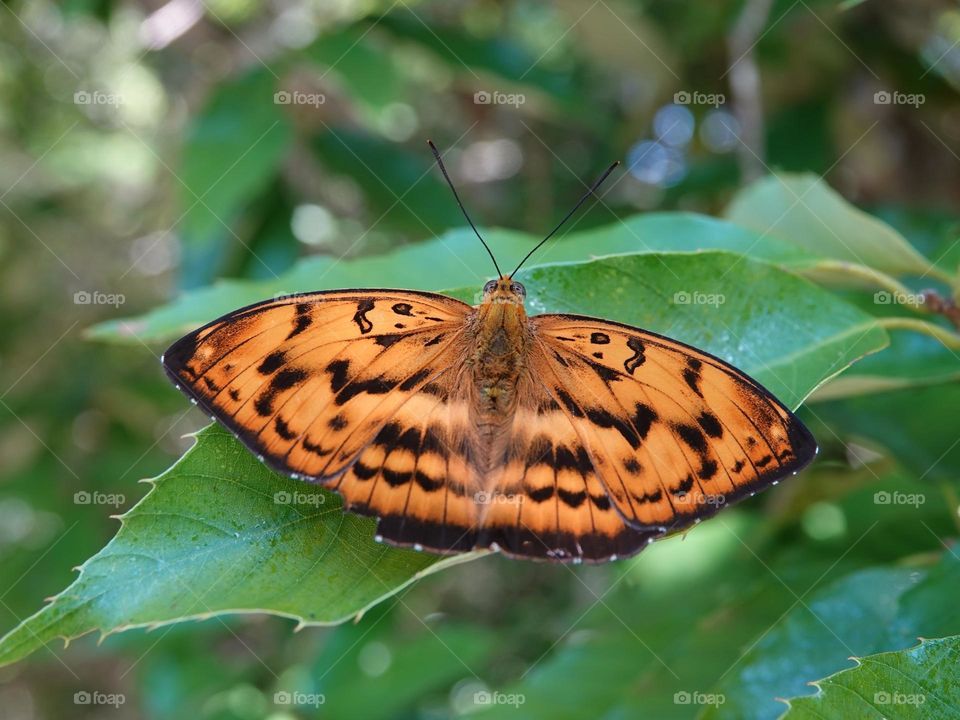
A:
(948, 338)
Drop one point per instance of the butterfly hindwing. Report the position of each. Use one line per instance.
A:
(419, 475)
(674, 433)
(547, 498)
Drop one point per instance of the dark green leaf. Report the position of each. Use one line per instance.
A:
(915, 683)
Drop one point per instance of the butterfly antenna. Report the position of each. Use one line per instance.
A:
(436, 154)
(576, 207)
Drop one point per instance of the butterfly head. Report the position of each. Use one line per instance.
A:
(504, 290)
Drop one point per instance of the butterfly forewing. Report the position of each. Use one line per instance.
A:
(307, 382)
(673, 433)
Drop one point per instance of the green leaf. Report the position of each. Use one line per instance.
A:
(865, 612)
(708, 599)
(401, 188)
(896, 367)
(455, 259)
(914, 683)
(232, 152)
(432, 659)
(501, 57)
(807, 212)
(676, 232)
(924, 438)
(363, 65)
(219, 532)
(210, 537)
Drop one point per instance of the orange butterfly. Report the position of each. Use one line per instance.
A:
(557, 437)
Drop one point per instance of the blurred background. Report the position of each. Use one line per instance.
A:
(151, 148)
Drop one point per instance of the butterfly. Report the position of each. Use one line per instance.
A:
(554, 437)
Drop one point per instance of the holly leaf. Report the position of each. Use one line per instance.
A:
(919, 682)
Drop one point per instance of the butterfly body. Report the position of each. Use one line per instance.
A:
(500, 338)
(558, 437)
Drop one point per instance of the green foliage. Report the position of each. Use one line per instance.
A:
(200, 193)
(232, 152)
(221, 533)
(803, 210)
(919, 682)
(863, 613)
(212, 537)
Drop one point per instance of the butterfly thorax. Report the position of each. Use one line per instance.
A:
(500, 337)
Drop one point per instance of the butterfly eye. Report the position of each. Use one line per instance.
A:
(490, 286)
(518, 289)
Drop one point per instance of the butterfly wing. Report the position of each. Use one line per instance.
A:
(618, 437)
(673, 433)
(547, 499)
(307, 382)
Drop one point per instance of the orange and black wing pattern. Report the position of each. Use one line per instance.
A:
(671, 433)
(309, 382)
(618, 436)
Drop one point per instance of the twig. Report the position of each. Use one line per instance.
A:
(745, 86)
